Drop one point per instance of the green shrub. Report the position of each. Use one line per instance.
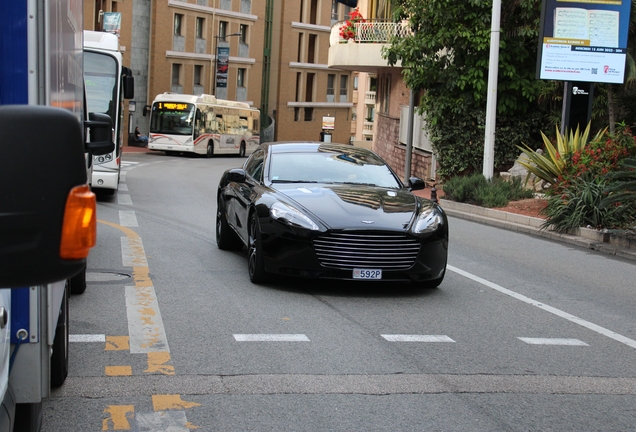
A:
(578, 205)
(622, 189)
(475, 189)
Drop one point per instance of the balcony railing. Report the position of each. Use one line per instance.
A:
(371, 31)
(369, 98)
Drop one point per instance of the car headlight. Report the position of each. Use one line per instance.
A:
(427, 221)
(292, 216)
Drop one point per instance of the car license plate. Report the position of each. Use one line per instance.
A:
(367, 274)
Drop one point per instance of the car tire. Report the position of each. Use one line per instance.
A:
(255, 260)
(28, 417)
(59, 355)
(210, 151)
(78, 283)
(226, 238)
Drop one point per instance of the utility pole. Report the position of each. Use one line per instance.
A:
(491, 101)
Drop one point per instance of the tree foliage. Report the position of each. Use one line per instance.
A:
(447, 59)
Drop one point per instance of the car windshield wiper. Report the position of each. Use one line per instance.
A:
(293, 181)
(356, 183)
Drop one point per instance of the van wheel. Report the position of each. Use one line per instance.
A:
(59, 356)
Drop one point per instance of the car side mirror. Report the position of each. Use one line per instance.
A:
(37, 178)
(416, 183)
(236, 175)
(101, 134)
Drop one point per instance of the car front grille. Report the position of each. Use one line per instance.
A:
(366, 250)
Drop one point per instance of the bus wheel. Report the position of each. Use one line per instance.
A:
(210, 150)
(242, 149)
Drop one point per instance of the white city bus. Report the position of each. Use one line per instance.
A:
(107, 83)
(203, 125)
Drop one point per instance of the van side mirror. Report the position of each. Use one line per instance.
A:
(101, 134)
(36, 177)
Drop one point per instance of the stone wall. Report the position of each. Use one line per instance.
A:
(386, 144)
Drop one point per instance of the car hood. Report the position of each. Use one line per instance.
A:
(356, 206)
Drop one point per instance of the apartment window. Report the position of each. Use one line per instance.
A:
(178, 21)
(300, 47)
(311, 49)
(198, 72)
(298, 81)
(223, 29)
(176, 74)
(309, 88)
(331, 82)
(243, 29)
(355, 82)
(344, 82)
(334, 11)
(199, 27)
(309, 114)
(313, 12)
(240, 77)
(385, 93)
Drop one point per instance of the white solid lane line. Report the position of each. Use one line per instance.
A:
(561, 314)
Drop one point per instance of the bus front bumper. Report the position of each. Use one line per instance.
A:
(105, 179)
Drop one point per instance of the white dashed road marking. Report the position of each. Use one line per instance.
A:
(87, 338)
(271, 338)
(127, 218)
(124, 199)
(553, 341)
(417, 338)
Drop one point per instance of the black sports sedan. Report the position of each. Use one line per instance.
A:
(322, 210)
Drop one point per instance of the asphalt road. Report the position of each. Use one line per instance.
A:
(524, 334)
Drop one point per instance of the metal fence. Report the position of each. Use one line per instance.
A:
(371, 31)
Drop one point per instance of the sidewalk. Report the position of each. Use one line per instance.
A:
(599, 241)
(131, 149)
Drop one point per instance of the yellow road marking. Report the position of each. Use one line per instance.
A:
(119, 417)
(117, 343)
(171, 402)
(118, 370)
(157, 363)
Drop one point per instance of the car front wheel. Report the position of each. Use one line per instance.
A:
(226, 239)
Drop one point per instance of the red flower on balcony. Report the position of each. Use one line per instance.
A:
(348, 30)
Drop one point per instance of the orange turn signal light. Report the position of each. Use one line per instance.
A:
(79, 229)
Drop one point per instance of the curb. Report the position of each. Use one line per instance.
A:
(585, 238)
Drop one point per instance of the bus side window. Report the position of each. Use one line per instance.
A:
(220, 123)
(197, 123)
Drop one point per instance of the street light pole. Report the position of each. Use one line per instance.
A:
(216, 55)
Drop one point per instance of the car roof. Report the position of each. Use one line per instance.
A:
(313, 147)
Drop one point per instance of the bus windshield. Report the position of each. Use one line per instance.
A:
(173, 118)
(100, 75)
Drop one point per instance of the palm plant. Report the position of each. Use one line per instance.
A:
(549, 168)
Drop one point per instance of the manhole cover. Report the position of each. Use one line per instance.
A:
(105, 276)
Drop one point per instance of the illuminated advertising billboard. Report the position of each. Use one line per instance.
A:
(584, 40)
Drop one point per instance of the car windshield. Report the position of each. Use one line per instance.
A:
(329, 167)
